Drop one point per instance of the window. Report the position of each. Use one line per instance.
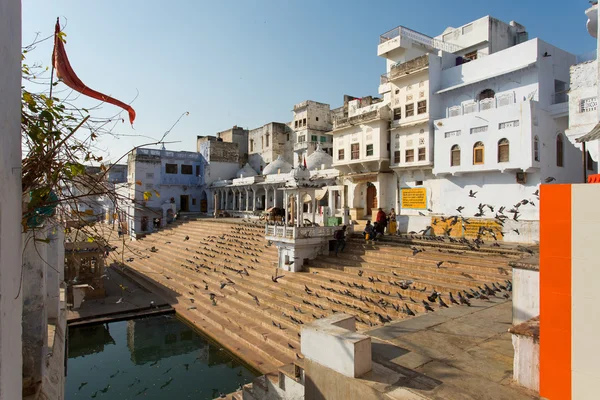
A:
(421, 154)
(452, 134)
(288, 137)
(410, 110)
(418, 183)
(486, 94)
(340, 154)
(267, 140)
(313, 138)
(251, 144)
(479, 129)
(536, 148)
(409, 155)
(295, 124)
(508, 124)
(397, 113)
(589, 162)
(455, 156)
(478, 153)
(304, 122)
(589, 104)
(397, 157)
(193, 201)
(171, 168)
(317, 119)
(301, 139)
(323, 139)
(503, 150)
(422, 107)
(369, 150)
(559, 151)
(186, 170)
(355, 151)
(471, 55)
(197, 170)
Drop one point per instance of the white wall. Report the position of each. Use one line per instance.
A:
(10, 198)
(526, 295)
(373, 132)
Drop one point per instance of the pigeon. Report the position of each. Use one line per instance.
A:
(441, 302)
(549, 179)
(472, 193)
(409, 311)
(439, 264)
(427, 306)
(432, 297)
(186, 238)
(460, 208)
(452, 300)
(516, 231)
(463, 300)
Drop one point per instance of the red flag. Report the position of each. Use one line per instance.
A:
(304, 162)
(65, 72)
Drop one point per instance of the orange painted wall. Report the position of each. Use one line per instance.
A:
(555, 292)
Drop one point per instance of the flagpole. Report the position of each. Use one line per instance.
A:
(52, 61)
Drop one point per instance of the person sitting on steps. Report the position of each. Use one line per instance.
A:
(340, 237)
(369, 232)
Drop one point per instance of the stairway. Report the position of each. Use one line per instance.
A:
(266, 333)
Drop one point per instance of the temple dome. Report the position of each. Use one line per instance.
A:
(246, 172)
(318, 158)
(279, 166)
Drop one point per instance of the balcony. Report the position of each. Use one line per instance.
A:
(379, 113)
(305, 145)
(406, 68)
(474, 106)
(274, 232)
(176, 179)
(560, 97)
(402, 32)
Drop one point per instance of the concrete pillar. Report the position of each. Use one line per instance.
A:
(35, 313)
(285, 207)
(300, 209)
(240, 205)
(11, 297)
(247, 200)
(216, 201)
(275, 204)
(254, 199)
(226, 199)
(314, 208)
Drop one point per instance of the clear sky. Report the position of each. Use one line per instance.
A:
(247, 63)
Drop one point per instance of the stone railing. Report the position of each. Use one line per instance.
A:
(356, 119)
(179, 180)
(302, 232)
(409, 66)
(481, 105)
(419, 38)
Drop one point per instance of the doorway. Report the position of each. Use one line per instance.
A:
(371, 199)
(185, 202)
(144, 223)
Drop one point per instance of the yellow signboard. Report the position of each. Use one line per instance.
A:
(414, 198)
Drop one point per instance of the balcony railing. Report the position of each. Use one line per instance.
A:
(481, 105)
(560, 97)
(356, 119)
(385, 78)
(419, 38)
(409, 66)
(187, 180)
(305, 145)
(303, 232)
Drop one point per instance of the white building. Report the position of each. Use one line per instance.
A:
(583, 100)
(267, 143)
(311, 123)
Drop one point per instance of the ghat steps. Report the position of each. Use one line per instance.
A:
(266, 334)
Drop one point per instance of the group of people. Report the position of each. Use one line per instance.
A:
(372, 231)
(382, 222)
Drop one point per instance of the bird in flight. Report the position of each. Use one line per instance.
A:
(549, 179)
(472, 193)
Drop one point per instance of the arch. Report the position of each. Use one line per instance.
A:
(559, 150)
(371, 199)
(536, 148)
(486, 94)
(503, 150)
(478, 153)
(455, 156)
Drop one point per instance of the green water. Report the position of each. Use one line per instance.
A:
(148, 358)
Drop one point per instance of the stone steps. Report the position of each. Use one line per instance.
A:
(238, 319)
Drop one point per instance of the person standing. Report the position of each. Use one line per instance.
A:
(392, 224)
(340, 237)
(381, 219)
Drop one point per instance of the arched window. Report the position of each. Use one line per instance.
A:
(536, 148)
(455, 156)
(559, 150)
(478, 149)
(486, 94)
(503, 150)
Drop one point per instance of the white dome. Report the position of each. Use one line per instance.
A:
(246, 171)
(318, 158)
(279, 166)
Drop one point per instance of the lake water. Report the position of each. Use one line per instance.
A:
(149, 358)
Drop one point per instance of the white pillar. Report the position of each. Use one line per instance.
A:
(300, 209)
(247, 200)
(314, 208)
(254, 199)
(226, 199)
(274, 197)
(285, 207)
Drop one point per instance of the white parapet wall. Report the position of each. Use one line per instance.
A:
(526, 293)
(526, 364)
(334, 343)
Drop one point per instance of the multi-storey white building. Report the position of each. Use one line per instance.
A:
(311, 123)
